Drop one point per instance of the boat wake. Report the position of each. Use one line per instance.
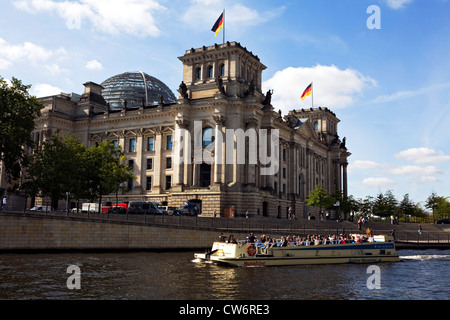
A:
(200, 261)
(426, 257)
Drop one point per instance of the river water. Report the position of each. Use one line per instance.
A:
(177, 276)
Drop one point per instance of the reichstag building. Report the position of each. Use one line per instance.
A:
(220, 91)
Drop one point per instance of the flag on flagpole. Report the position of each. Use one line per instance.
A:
(218, 25)
(307, 91)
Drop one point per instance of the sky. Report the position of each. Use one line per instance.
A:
(381, 65)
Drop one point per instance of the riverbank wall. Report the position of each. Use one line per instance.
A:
(53, 232)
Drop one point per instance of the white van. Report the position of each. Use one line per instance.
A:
(89, 207)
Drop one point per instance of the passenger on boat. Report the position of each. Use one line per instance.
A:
(251, 238)
(317, 240)
(284, 242)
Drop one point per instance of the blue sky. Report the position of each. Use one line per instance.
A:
(390, 87)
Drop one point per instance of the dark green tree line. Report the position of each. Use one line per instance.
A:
(18, 112)
(63, 166)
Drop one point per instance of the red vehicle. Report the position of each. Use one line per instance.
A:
(110, 209)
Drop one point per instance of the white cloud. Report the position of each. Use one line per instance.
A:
(109, 16)
(397, 4)
(379, 182)
(424, 179)
(237, 16)
(29, 52)
(415, 170)
(423, 155)
(407, 94)
(44, 90)
(94, 65)
(332, 87)
(363, 164)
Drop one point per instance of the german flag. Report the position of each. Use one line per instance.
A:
(218, 25)
(307, 91)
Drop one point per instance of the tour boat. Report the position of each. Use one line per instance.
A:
(243, 253)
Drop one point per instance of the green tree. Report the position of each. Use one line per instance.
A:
(385, 205)
(406, 207)
(439, 205)
(346, 204)
(18, 112)
(366, 205)
(319, 197)
(105, 171)
(64, 165)
(55, 169)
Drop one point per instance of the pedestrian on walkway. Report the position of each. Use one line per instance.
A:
(419, 229)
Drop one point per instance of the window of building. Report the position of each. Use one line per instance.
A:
(116, 144)
(222, 69)
(132, 145)
(284, 154)
(168, 163)
(168, 182)
(148, 185)
(210, 72)
(149, 163)
(169, 144)
(207, 135)
(316, 125)
(198, 73)
(284, 172)
(150, 144)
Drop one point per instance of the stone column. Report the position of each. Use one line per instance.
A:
(344, 179)
(180, 160)
(218, 149)
(157, 162)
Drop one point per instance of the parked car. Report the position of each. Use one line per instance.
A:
(190, 209)
(41, 208)
(117, 209)
(144, 207)
(158, 206)
(443, 221)
(171, 211)
(107, 209)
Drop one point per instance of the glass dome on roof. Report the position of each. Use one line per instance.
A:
(135, 88)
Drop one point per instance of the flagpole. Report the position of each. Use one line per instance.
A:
(312, 95)
(223, 24)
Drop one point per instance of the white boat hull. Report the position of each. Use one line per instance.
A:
(252, 255)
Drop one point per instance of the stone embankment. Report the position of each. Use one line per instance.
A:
(25, 231)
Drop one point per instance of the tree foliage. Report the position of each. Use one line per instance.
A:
(64, 165)
(319, 197)
(439, 205)
(18, 112)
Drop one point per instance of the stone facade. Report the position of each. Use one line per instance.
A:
(220, 91)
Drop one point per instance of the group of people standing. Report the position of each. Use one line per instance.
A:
(309, 240)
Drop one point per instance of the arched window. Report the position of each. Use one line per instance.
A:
(210, 72)
(207, 136)
(316, 125)
(222, 69)
(198, 73)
